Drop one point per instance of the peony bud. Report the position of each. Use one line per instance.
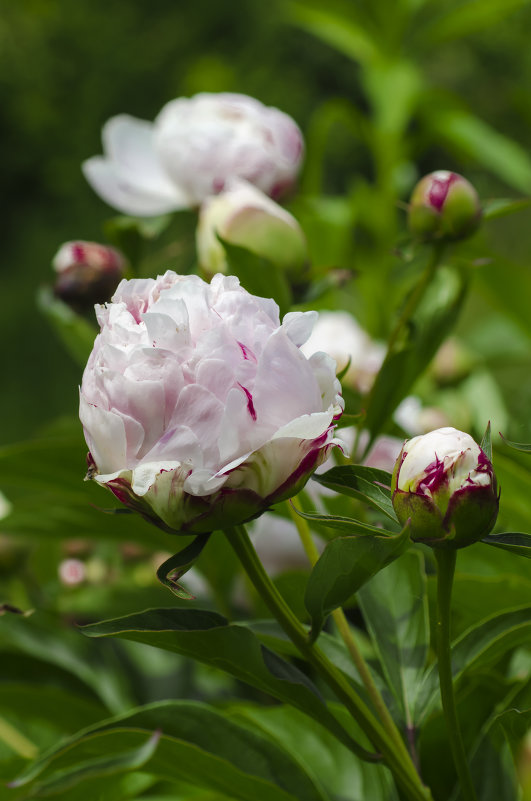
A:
(193, 149)
(88, 273)
(445, 484)
(244, 216)
(198, 406)
(444, 205)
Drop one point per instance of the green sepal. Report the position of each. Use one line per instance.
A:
(180, 563)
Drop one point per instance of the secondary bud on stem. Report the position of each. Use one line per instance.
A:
(88, 273)
(445, 484)
(444, 205)
(243, 215)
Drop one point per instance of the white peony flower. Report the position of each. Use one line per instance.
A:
(199, 408)
(192, 149)
(243, 215)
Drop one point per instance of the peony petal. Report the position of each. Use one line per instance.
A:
(123, 192)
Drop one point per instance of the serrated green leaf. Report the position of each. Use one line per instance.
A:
(209, 638)
(394, 607)
(345, 565)
(517, 542)
(364, 483)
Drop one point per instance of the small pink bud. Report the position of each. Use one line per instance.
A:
(444, 205)
(88, 273)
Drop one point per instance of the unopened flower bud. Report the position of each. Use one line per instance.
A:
(244, 216)
(444, 205)
(87, 273)
(445, 485)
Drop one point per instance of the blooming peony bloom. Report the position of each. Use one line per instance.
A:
(445, 484)
(199, 408)
(243, 215)
(194, 147)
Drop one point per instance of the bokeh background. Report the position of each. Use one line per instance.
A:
(384, 92)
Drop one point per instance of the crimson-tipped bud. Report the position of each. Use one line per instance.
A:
(445, 485)
(444, 205)
(87, 273)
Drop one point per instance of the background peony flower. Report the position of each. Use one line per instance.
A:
(338, 333)
(199, 408)
(243, 215)
(194, 147)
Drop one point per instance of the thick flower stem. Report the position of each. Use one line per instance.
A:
(446, 558)
(346, 633)
(400, 765)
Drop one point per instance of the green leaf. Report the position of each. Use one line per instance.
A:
(319, 752)
(76, 333)
(467, 18)
(517, 542)
(394, 606)
(434, 318)
(345, 565)
(101, 765)
(209, 738)
(476, 140)
(258, 275)
(346, 524)
(501, 207)
(345, 34)
(179, 564)
(364, 483)
(44, 638)
(209, 638)
(47, 474)
(129, 234)
(517, 446)
(486, 443)
(480, 646)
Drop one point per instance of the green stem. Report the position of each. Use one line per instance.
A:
(416, 295)
(346, 632)
(399, 764)
(446, 558)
